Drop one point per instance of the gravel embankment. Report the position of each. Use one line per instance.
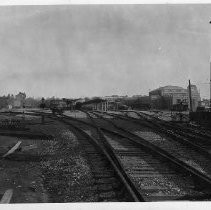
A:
(65, 173)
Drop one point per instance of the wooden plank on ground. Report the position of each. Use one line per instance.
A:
(12, 149)
(7, 196)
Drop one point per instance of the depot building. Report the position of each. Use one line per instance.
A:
(165, 97)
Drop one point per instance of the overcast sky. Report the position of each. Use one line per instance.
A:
(74, 51)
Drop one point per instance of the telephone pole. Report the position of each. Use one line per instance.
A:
(210, 78)
(190, 97)
(210, 83)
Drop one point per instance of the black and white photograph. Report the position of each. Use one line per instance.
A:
(105, 103)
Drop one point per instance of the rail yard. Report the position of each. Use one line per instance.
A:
(98, 156)
(105, 105)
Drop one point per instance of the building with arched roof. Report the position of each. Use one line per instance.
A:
(167, 96)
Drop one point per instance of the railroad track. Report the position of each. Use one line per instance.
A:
(150, 171)
(186, 127)
(183, 161)
(154, 175)
(196, 139)
(177, 136)
(111, 182)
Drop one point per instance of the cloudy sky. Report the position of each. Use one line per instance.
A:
(81, 50)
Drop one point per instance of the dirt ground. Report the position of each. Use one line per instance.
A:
(45, 170)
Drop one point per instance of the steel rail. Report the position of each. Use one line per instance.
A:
(144, 143)
(175, 136)
(132, 187)
(106, 149)
(135, 138)
(187, 197)
(179, 135)
(201, 136)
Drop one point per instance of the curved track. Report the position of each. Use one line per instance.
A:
(147, 176)
(111, 182)
(129, 168)
(196, 137)
(155, 175)
(196, 165)
(169, 139)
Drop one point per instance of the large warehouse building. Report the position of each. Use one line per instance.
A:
(167, 96)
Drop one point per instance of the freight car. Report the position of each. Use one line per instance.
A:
(58, 106)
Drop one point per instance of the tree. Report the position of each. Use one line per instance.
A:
(78, 105)
(42, 105)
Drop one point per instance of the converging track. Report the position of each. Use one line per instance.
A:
(111, 183)
(157, 193)
(176, 159)
(129, 162)
(201, 140)
(177, 145)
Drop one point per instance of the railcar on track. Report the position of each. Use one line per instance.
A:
(58, 106)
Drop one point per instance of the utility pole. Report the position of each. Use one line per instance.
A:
(210, 83)
(210, 79)
(190, 97)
